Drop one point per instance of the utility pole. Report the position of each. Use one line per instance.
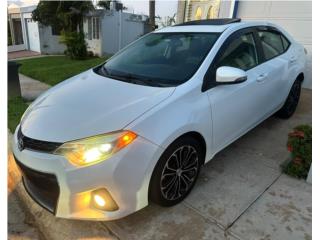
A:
(152, 11)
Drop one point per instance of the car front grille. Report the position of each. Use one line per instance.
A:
(25, 142)
(42, 187)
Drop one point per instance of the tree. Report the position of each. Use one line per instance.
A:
(67, 16)
(106, 4)
(167, 21)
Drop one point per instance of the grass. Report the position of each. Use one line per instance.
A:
(55, 69)
(16, 107)
(50, 70)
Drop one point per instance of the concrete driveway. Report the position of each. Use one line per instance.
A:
(240, 194)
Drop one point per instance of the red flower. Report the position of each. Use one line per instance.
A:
(290, 148)
(298, 134)
(297, 161)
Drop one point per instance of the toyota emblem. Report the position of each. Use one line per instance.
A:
(20, 144)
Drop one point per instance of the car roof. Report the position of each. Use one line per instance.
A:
(211, 27)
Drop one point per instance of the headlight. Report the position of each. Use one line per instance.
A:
(95, 149)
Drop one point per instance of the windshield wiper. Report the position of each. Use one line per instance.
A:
(135, 79)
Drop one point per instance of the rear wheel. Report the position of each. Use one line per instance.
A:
(176, 172)
(292, 101)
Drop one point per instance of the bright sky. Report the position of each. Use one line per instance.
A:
(163, 7)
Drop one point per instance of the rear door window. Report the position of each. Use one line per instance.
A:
(273, 43)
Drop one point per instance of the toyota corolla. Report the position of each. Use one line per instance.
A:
(139, 127)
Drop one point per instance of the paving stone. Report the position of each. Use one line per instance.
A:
(154, 222)
(229, 184)
(283, 212)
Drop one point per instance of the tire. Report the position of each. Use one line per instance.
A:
(292, 101)
(173, 179)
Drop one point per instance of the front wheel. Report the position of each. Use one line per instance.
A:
(292, 101)
(176, 172)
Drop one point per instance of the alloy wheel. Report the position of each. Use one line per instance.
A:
(179, 173)
(294, 96)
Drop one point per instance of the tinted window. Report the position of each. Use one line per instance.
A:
(285, 42)
(241, 53)
(271, 44)
(161, 58)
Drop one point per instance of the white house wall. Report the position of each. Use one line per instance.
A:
(294, 16)
(50, 44)
(110, 33)
(131, 30)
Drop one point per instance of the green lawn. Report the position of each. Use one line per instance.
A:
(16, 107)
(54, 69)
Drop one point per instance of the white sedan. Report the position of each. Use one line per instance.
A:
(138, 128)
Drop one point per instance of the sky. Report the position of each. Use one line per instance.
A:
(163, 7)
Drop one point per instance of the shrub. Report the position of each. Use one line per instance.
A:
(300, 146)
(76, 44)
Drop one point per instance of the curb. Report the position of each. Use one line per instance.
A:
(50, 226)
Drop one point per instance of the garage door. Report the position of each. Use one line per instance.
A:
(33, 35)
(294, 16)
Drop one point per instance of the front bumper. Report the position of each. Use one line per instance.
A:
(125, 176)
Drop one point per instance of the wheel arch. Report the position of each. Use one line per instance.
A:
(198, 137)
(300, 77)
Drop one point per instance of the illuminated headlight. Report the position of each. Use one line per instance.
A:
(95, 149)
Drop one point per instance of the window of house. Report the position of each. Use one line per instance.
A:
(93, 28)
(210, 14)
(89, 28)
(56, 30)
(198, 14)
(96, 27)
(271, 44)
(241, 53)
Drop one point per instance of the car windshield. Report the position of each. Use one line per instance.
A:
(160, 59)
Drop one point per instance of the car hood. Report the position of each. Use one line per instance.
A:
(86, 105)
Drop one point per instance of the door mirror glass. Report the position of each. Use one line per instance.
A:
(229, 75)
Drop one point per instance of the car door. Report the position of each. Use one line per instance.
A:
(278, 61)
(236, 108)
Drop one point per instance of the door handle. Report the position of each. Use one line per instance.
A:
(293, 59)
(262, 77)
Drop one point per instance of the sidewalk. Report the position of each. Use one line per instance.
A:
(31, 88)
(240, 195)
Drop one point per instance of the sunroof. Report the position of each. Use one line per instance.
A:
(217, 21)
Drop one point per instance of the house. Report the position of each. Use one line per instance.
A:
(26, 34)
(293, 16)
(106, 31)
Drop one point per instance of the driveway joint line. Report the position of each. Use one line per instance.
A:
(112, 233)
(253, 202)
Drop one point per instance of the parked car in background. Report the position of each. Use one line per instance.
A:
(139, 127)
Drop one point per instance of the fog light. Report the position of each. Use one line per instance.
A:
(101, 199)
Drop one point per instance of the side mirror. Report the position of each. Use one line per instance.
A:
(230, 75)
